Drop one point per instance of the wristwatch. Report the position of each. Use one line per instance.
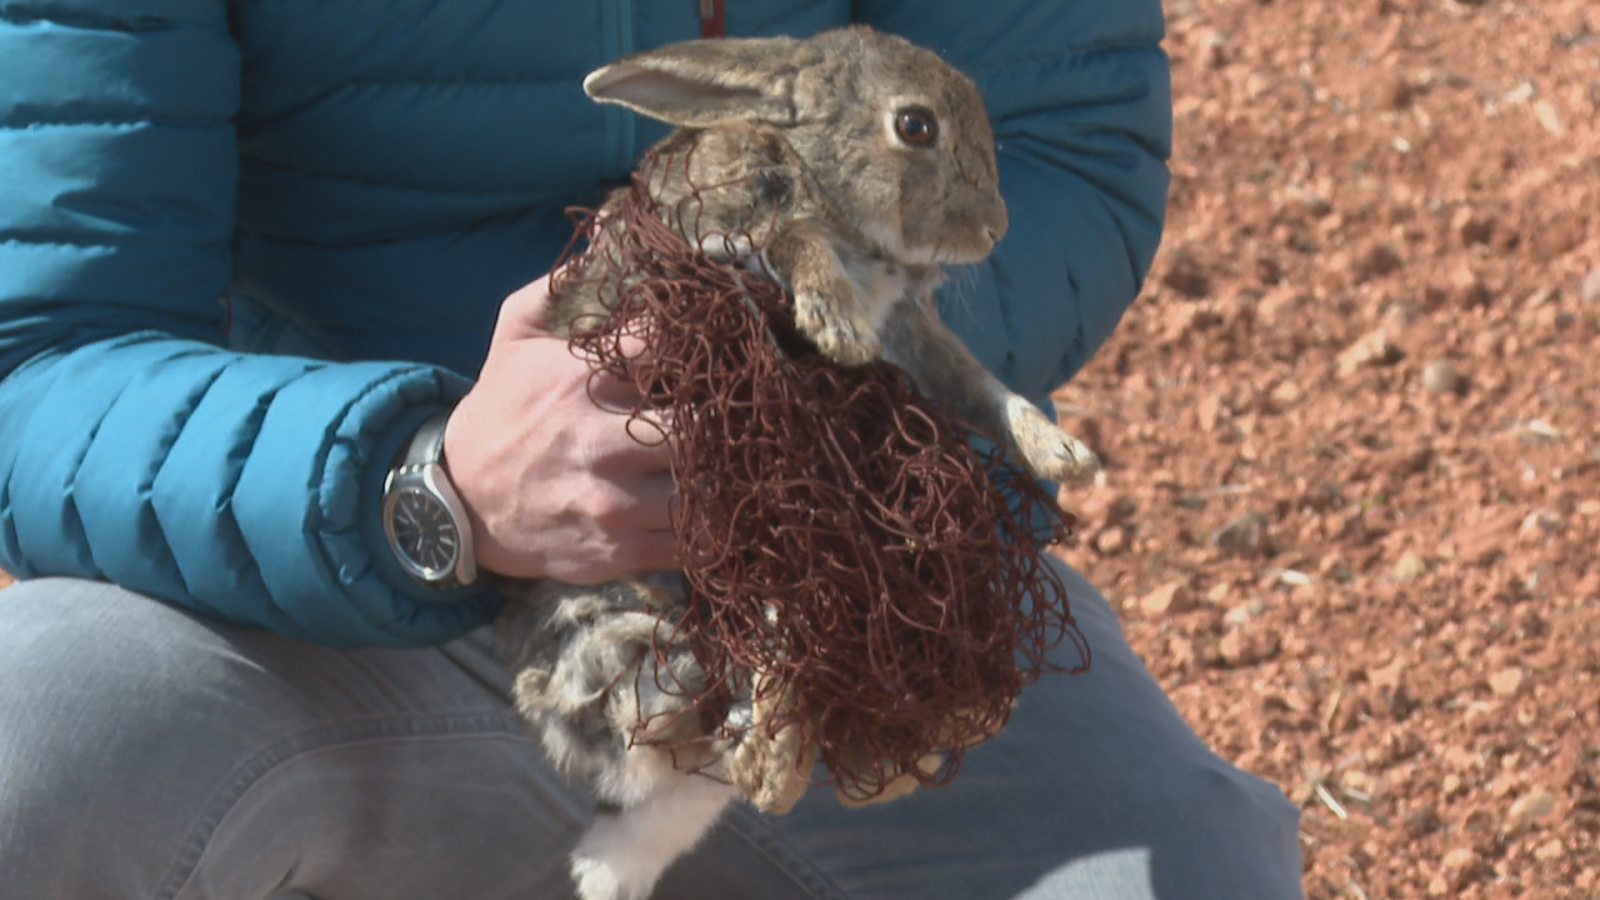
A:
(423, 518)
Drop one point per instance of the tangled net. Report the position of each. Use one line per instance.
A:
(839, 533)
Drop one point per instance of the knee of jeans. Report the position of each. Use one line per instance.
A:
(89, 703)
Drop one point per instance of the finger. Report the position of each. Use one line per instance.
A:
(613, 394)
(653, 498)
(654, 551)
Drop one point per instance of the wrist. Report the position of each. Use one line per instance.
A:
(425, 523)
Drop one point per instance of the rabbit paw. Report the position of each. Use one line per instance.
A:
(1048, 451)
(599, 880)
(846, 339)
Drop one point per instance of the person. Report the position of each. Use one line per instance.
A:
(248, 251)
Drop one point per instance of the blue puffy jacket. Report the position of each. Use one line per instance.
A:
(246, 247)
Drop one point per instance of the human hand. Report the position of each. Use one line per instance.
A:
(554, 484)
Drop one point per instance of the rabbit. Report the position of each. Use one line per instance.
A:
(857, 165)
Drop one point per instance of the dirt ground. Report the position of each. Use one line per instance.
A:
(1353, 496)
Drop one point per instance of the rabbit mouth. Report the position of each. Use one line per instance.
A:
(959, 255)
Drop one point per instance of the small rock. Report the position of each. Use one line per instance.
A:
(1268, 270)
(1186, 277)
(1285, 395)
(1214, 49)
(1244, 534)
(1244, 612)
(1469, 228)
(1549, 850)
(1377, 261)
(1542, 297)
(1508, 681)
(1467, 289)
(1281, 305)
(1372, 349)
(1245, 647)
(1212, 412)
(1540, 524)
(1169, 599)
(1440, 376)
(1110, 541)
(1409, 568)
(1106, 508)
(1590, 292)
(1461, 859)
(1306, 200)
(1549, 117)
(1530, 808)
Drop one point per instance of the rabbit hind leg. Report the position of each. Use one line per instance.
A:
(625, 851)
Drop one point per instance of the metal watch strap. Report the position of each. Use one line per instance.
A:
(421, 464)
(427, 445)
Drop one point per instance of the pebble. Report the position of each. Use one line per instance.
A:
(1461, 859)
(1242, 535)
(1590, 292)
(1467, 289)
(1281, 305)
(1549, 850)
(1110, 541)
(1371, 349)
(1285, 394)
(1306, 200)
(1440, 376)
(1409, 568)
(1530, 808)
(1187, 278)
(1245, 646)
(1377, 261)
(1508, 681)
(1540, 524)
(1169, 599)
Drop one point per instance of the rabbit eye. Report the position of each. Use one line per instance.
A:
(916, 126)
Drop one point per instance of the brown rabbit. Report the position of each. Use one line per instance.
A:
(859, 164)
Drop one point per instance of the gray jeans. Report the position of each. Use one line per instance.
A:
(148, 754)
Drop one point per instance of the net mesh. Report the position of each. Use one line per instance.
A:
(842, 539)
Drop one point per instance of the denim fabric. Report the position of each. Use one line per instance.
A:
(147, 753)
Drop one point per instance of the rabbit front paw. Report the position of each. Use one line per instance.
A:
(1048, 451)
(843, 337)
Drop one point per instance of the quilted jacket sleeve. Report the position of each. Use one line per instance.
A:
(133, 447)
(1080, 96)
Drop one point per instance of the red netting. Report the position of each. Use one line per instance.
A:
(838, 531)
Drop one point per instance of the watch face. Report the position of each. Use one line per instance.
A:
(424, 532)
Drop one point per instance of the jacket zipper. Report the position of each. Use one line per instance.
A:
(713, 19)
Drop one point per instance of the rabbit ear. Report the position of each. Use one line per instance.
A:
(703, 83)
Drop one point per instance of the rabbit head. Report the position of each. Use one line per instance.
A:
(896, 139)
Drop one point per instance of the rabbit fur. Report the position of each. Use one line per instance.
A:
(879, 160)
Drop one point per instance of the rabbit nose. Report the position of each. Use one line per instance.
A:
(995, 226)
